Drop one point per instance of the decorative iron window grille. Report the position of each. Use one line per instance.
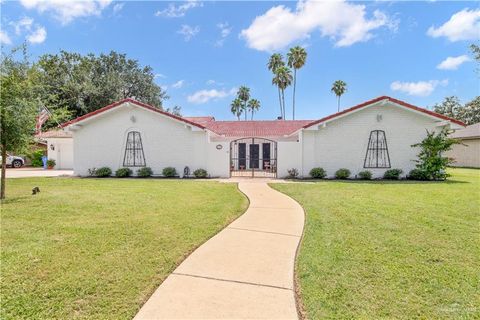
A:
(377, 151)
(134, 156)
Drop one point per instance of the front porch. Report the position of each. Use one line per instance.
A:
(253, 157)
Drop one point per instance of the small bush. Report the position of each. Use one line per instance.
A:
(123, 173)
(392, 174)
(292, 173)
(169, 172)
(418, 174)
(36, 158)
(342, 173)
(318, 173)
(144, 172)
(92, 172)
(365, 175)
(51, 163)
(103, 172)
(200, 173)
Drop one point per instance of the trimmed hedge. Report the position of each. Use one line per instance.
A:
(200, 173)
(103, 172)
(169, 172)
(418, 174)
(123, 173)
(144, 172)
(342, 173)
(392, 174)
(365, 175)
(318, 173)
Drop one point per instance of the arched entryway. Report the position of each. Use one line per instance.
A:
(253, 157)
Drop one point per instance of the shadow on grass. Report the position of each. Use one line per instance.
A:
(386, 182)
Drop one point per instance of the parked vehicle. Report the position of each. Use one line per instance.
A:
(14, 161)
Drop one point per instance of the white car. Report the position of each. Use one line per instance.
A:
(14, 161)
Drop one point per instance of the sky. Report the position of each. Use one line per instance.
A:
(202, 51)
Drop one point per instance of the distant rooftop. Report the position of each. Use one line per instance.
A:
(472, 131)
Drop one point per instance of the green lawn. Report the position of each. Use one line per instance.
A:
(93, 248)
(390, 250)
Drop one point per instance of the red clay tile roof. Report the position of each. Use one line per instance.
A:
(272, 128)
(400, 102)
(54, 134)
(201, 120)
(135, 102)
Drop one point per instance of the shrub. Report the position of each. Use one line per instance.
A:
(36, 157)
(144, 172)
(318, 173)
(292, 173)
(365, 175)
(123, 173)
(392, 174)
(92, 172)
(169, 172)
(342, 173)
(51, 163)
(200, 173)
(418, 174)
(103, 172)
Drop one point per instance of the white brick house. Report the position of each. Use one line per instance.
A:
(375, 135)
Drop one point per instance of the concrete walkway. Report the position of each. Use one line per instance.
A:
(244, 272)
(28, 172)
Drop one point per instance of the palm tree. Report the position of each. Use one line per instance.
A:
(339, 87)
(297, 56)
(282, 79)
(244, 95)
(236, 108)
(276, 61)
(253, 105)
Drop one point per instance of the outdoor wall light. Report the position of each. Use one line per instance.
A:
(52, 147)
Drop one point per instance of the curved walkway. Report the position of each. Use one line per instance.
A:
(245, 271)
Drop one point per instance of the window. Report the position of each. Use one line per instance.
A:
(377, 151)
(134, 156)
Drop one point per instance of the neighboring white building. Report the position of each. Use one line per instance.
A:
(375, 135)
(59, 147)
(467, 154)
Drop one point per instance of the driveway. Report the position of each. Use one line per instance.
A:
(36, 172)
(244, 272)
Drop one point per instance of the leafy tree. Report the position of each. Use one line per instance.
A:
(276, 61)
(18, 106)
(282, 79)
(176, 111)
(244, 95)
(73, 84)
(431, 163)
(476, 55)
(253, 106)
(236, 108)
(339, 87)
(297, 56)
(451, 107)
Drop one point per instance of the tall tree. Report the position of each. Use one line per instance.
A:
(339, 87)
(276, 61)
(451, 107)
(236, 108)
(476, 55)
(297, 56)
(176, 111)
(244, 95)
(283, 78)
(253, 106)
(18, 106)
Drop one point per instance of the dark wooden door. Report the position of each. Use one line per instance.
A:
(242, 156)
(254, 155)
(265, 155)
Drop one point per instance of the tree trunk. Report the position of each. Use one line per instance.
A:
(294, 87)
(338, 103)
(252, 114)
(283, 108)
(245, 109)
(4, 166)
(280, 102)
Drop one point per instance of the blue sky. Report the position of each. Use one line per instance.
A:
(202, 51)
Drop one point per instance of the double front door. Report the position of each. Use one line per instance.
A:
(253, 158)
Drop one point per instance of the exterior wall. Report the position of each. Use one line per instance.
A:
(289, 154)
(342, 143)
(63, 153)
(166, 142)
(467, 155)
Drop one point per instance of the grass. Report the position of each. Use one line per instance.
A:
(397, 250)
(98, 248)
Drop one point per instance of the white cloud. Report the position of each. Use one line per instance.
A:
(37, 36)
(179, 84)
(173, 11)
(4, 38)
(117, 7)
(204, 96)
(343, 22)
(452, 63)
(225, 31)
(463, 25)
(159, 75)
(188, 32)
(420, 88)
(24, 24)
(67, 11)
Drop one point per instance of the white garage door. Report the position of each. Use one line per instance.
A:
(65, 155)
